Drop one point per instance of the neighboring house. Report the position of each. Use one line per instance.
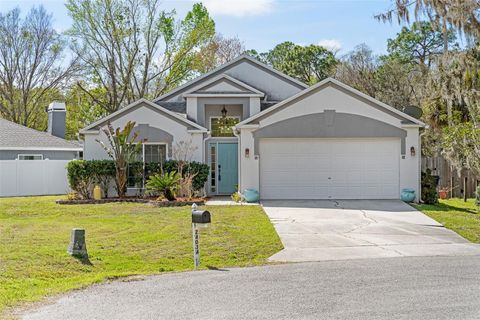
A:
(290, 141)
(18, 142)
(33, 162)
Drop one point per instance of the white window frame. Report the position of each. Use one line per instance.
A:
(155, 144)
(220, 117)
(29, 155)
(143, 158)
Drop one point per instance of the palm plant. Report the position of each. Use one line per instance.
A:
(165, 185)
(122, 148)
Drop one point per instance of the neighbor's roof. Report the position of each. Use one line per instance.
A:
(17, 137)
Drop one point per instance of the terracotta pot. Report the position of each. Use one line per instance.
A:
(443, 194)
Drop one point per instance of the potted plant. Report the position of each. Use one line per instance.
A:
(444, 191)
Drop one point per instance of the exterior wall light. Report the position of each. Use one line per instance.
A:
(247, 153)
(412, 151)
(224, 112)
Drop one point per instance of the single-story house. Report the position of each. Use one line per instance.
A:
(34, 162)
(258, 128)
(18, 142)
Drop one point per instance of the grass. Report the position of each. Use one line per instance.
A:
(122, 239)
(457, 215)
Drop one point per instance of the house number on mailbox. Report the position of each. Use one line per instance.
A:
(196, 245)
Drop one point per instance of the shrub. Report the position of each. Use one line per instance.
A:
(103, 172)
(72, 196)
(429, 190)
(199, 169)
(83, 174)
(164, 184)
(80, 177)
(236, 196)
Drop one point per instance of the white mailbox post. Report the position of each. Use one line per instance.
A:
(199, 219)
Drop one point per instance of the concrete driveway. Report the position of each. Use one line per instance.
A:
(316, 230)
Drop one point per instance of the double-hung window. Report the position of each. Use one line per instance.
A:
(149, 153)
(155, 153)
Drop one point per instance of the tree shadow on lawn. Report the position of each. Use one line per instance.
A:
(448, 207)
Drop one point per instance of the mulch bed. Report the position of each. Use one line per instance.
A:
(164, 203)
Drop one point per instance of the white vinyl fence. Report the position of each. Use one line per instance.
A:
(33, 177)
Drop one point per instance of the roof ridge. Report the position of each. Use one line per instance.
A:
(225, 66)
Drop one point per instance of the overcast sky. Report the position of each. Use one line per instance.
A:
(261, 24)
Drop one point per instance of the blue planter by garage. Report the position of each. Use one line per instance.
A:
(251, 195)
(408, 195)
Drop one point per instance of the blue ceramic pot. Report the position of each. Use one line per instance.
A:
(251, 195)
(407, 195)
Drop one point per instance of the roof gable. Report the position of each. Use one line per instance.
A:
(224, 84)
(246, 77)
(143, 102)
(342, 87)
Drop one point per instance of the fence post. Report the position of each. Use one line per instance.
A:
(465, 188)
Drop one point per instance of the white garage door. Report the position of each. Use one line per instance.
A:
(329, 168)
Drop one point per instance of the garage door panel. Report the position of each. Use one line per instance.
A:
(329, 168)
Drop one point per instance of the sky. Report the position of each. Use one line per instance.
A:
(261, 24)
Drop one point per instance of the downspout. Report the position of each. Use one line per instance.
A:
(207, 136)
(236, 133)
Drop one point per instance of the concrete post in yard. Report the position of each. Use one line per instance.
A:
(77, 246)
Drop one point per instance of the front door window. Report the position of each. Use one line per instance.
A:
(213, 166)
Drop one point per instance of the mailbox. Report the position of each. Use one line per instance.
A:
(199, 216)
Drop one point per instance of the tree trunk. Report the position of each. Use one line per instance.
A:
(121, 180)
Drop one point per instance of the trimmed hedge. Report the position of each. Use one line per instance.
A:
(84, 174)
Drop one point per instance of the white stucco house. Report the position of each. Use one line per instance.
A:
(260, 129)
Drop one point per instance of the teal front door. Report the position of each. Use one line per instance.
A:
(227, 167)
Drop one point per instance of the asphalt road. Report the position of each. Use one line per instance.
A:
(389, 288)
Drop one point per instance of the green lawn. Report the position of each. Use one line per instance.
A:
(457, 215)
(122, 239)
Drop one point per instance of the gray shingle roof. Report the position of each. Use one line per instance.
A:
(179, 107)
(266, 105)
(13, 136)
